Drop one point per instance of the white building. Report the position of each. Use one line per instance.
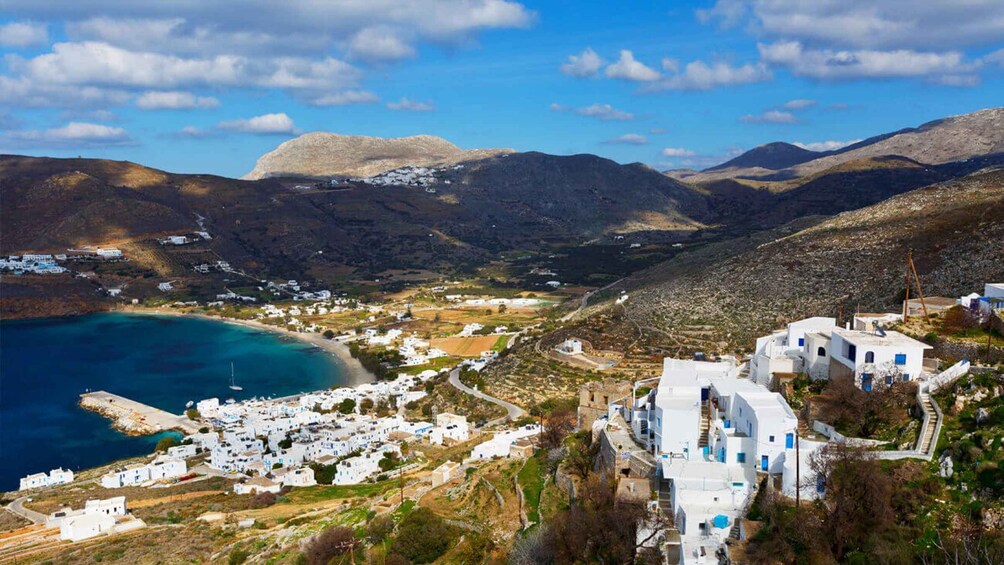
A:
(55, 477)
(570, 347)
(357, 469)
(501, 443)
(889, 356)
(445, 473)
(301, 477)
(108, 253)
(161, 468)
(256, 485)
(95, 518)
(706, 500)
(823, 350)
(450, 428)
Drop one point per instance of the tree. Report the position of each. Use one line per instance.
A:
(192, 414)
(262, 500)
(388, 461)
(558, 424)
(347, 406)
(423, 537)
(366, 405)
(379, 528)
(858, 497)
(166, 443)
(330, 543)
(328, 334)
(503, 308)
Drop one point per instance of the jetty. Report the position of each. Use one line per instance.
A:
(135, 418)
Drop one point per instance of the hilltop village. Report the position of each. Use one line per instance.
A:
(694, 447)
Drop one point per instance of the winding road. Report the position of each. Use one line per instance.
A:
(584, 301)
(17, 507)
(513, 412)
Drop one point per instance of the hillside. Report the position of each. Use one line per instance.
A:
(322, 154)
(941, 141)
(854, 260)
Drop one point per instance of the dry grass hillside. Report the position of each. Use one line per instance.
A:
(853, 260)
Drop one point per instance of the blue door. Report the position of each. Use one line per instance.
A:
(721, 455)
(704, 394)
(763, 462)
(789, 441)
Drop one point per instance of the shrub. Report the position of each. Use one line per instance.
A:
(166, 443)
(423, 537)
(379, 528)
(238, 556)
(262, 500)
(330, 543)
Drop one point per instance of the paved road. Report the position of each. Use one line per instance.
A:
(514, 412)
(17, 507)
(584, 301)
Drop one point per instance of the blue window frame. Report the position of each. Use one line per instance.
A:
(770, 439)
(852, 351)
(764, 462)
(740, 457)
(888, 380)
(901, 359)
(801, 341)
(789, 441)
(906, 376)
(869, 357)
(866, 382)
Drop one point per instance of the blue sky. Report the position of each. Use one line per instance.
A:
(201, 86)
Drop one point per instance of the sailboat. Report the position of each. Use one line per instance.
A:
(233, 384)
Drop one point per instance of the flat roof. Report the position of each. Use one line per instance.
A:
(892, 338)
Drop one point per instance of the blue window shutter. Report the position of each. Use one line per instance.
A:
(789, 441)
(901, 358)
(740, 457)
(801, 341)
(764, 462)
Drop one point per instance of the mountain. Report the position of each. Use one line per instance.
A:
(322, 154)
(746, 286)
(773, 156)
(941, 141)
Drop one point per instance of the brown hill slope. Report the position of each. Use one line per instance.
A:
(941, 141)
(856, 259)
(321, 154)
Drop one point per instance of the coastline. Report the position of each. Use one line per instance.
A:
(357, 374)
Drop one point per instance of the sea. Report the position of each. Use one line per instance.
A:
(162, 361)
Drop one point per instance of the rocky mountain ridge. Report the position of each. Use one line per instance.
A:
(321, 154)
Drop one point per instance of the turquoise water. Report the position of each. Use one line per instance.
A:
(161, 361)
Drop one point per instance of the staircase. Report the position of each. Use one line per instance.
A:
(704, 429)
(665, 504)
(929, 434)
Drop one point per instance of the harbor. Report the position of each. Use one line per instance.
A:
(135, 418)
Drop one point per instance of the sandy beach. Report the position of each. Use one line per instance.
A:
(357, 374)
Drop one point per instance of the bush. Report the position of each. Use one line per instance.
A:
(328, 334)
(423, 537)
(330, 543)
(192, 414)
(262, 500)
(347, 406)
(166, 443)
(379, 528)
(238, 556)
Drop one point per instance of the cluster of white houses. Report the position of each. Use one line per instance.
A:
(711, 427)
(278, 437)
(162, 468)
(97, 517)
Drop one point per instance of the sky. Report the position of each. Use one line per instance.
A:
(202, 86)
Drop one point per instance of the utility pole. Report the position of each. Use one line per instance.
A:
(916, 278)
(798, 474)
(906, 298)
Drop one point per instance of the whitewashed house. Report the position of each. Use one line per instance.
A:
(500, 445)
(55, 477)
(256, 485)
(449, 428)
(888, 356)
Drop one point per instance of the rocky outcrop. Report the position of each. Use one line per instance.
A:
(321, 154)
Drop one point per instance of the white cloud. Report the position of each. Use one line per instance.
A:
(90, 115)
(346, 98)
(658, 131)
(770, 117)
(627, 68)
(698, 75)
(72, 135)
(409, 105)
(604, 112)
(586, 64)
(174, 100)
(93, 63)
(798, 104)
(829, 64)
(868, 24)
(192, 132)
(377, 44)
(825, 145)
(267, 124)
(24, 92)
(23, 34)
(677, 152)
(962, 81)
(629, 139)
